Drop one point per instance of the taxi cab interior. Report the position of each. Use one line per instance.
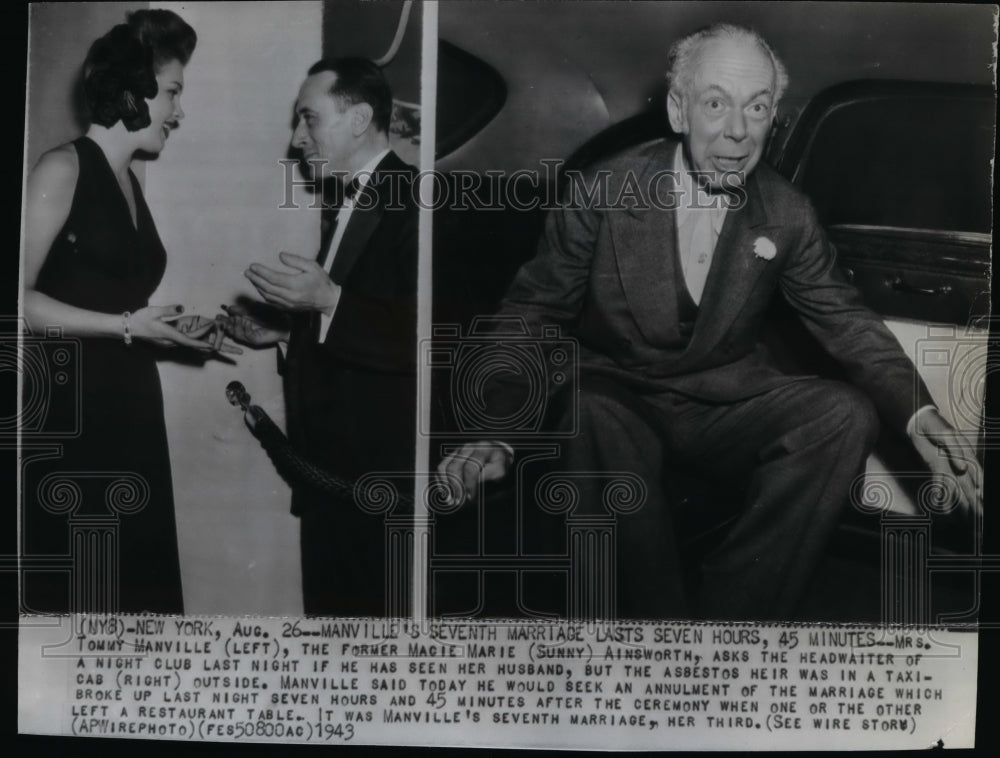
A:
(891, 140)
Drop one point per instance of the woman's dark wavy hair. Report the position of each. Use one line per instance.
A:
(119, 74)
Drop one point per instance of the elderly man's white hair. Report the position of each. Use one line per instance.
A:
(683, 52)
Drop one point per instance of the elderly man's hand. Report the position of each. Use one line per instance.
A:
(951, 459)
(304, 287)
(464, 470)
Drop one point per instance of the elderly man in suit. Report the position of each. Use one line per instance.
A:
(348, 358)
(666, 293)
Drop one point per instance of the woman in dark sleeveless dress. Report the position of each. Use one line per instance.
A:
(98, 523)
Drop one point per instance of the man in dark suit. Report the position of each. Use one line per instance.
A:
(666, 292)
(349, 365)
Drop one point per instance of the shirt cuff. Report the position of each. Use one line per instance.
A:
(911, 425)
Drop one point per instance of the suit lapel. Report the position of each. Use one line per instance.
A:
(364, 220)
(643, 241)
(360, 228)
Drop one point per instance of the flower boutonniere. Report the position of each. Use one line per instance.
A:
(764, 249)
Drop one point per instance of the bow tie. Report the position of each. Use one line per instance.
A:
(352, 189)
(338, 193)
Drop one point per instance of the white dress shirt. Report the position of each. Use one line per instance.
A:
(700, 216)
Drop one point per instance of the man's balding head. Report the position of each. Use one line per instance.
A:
(724, 86)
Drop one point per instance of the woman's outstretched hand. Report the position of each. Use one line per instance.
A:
(165, 325)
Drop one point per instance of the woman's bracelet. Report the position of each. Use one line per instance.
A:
(127, 327)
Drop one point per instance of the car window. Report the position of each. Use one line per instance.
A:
(911, 162)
